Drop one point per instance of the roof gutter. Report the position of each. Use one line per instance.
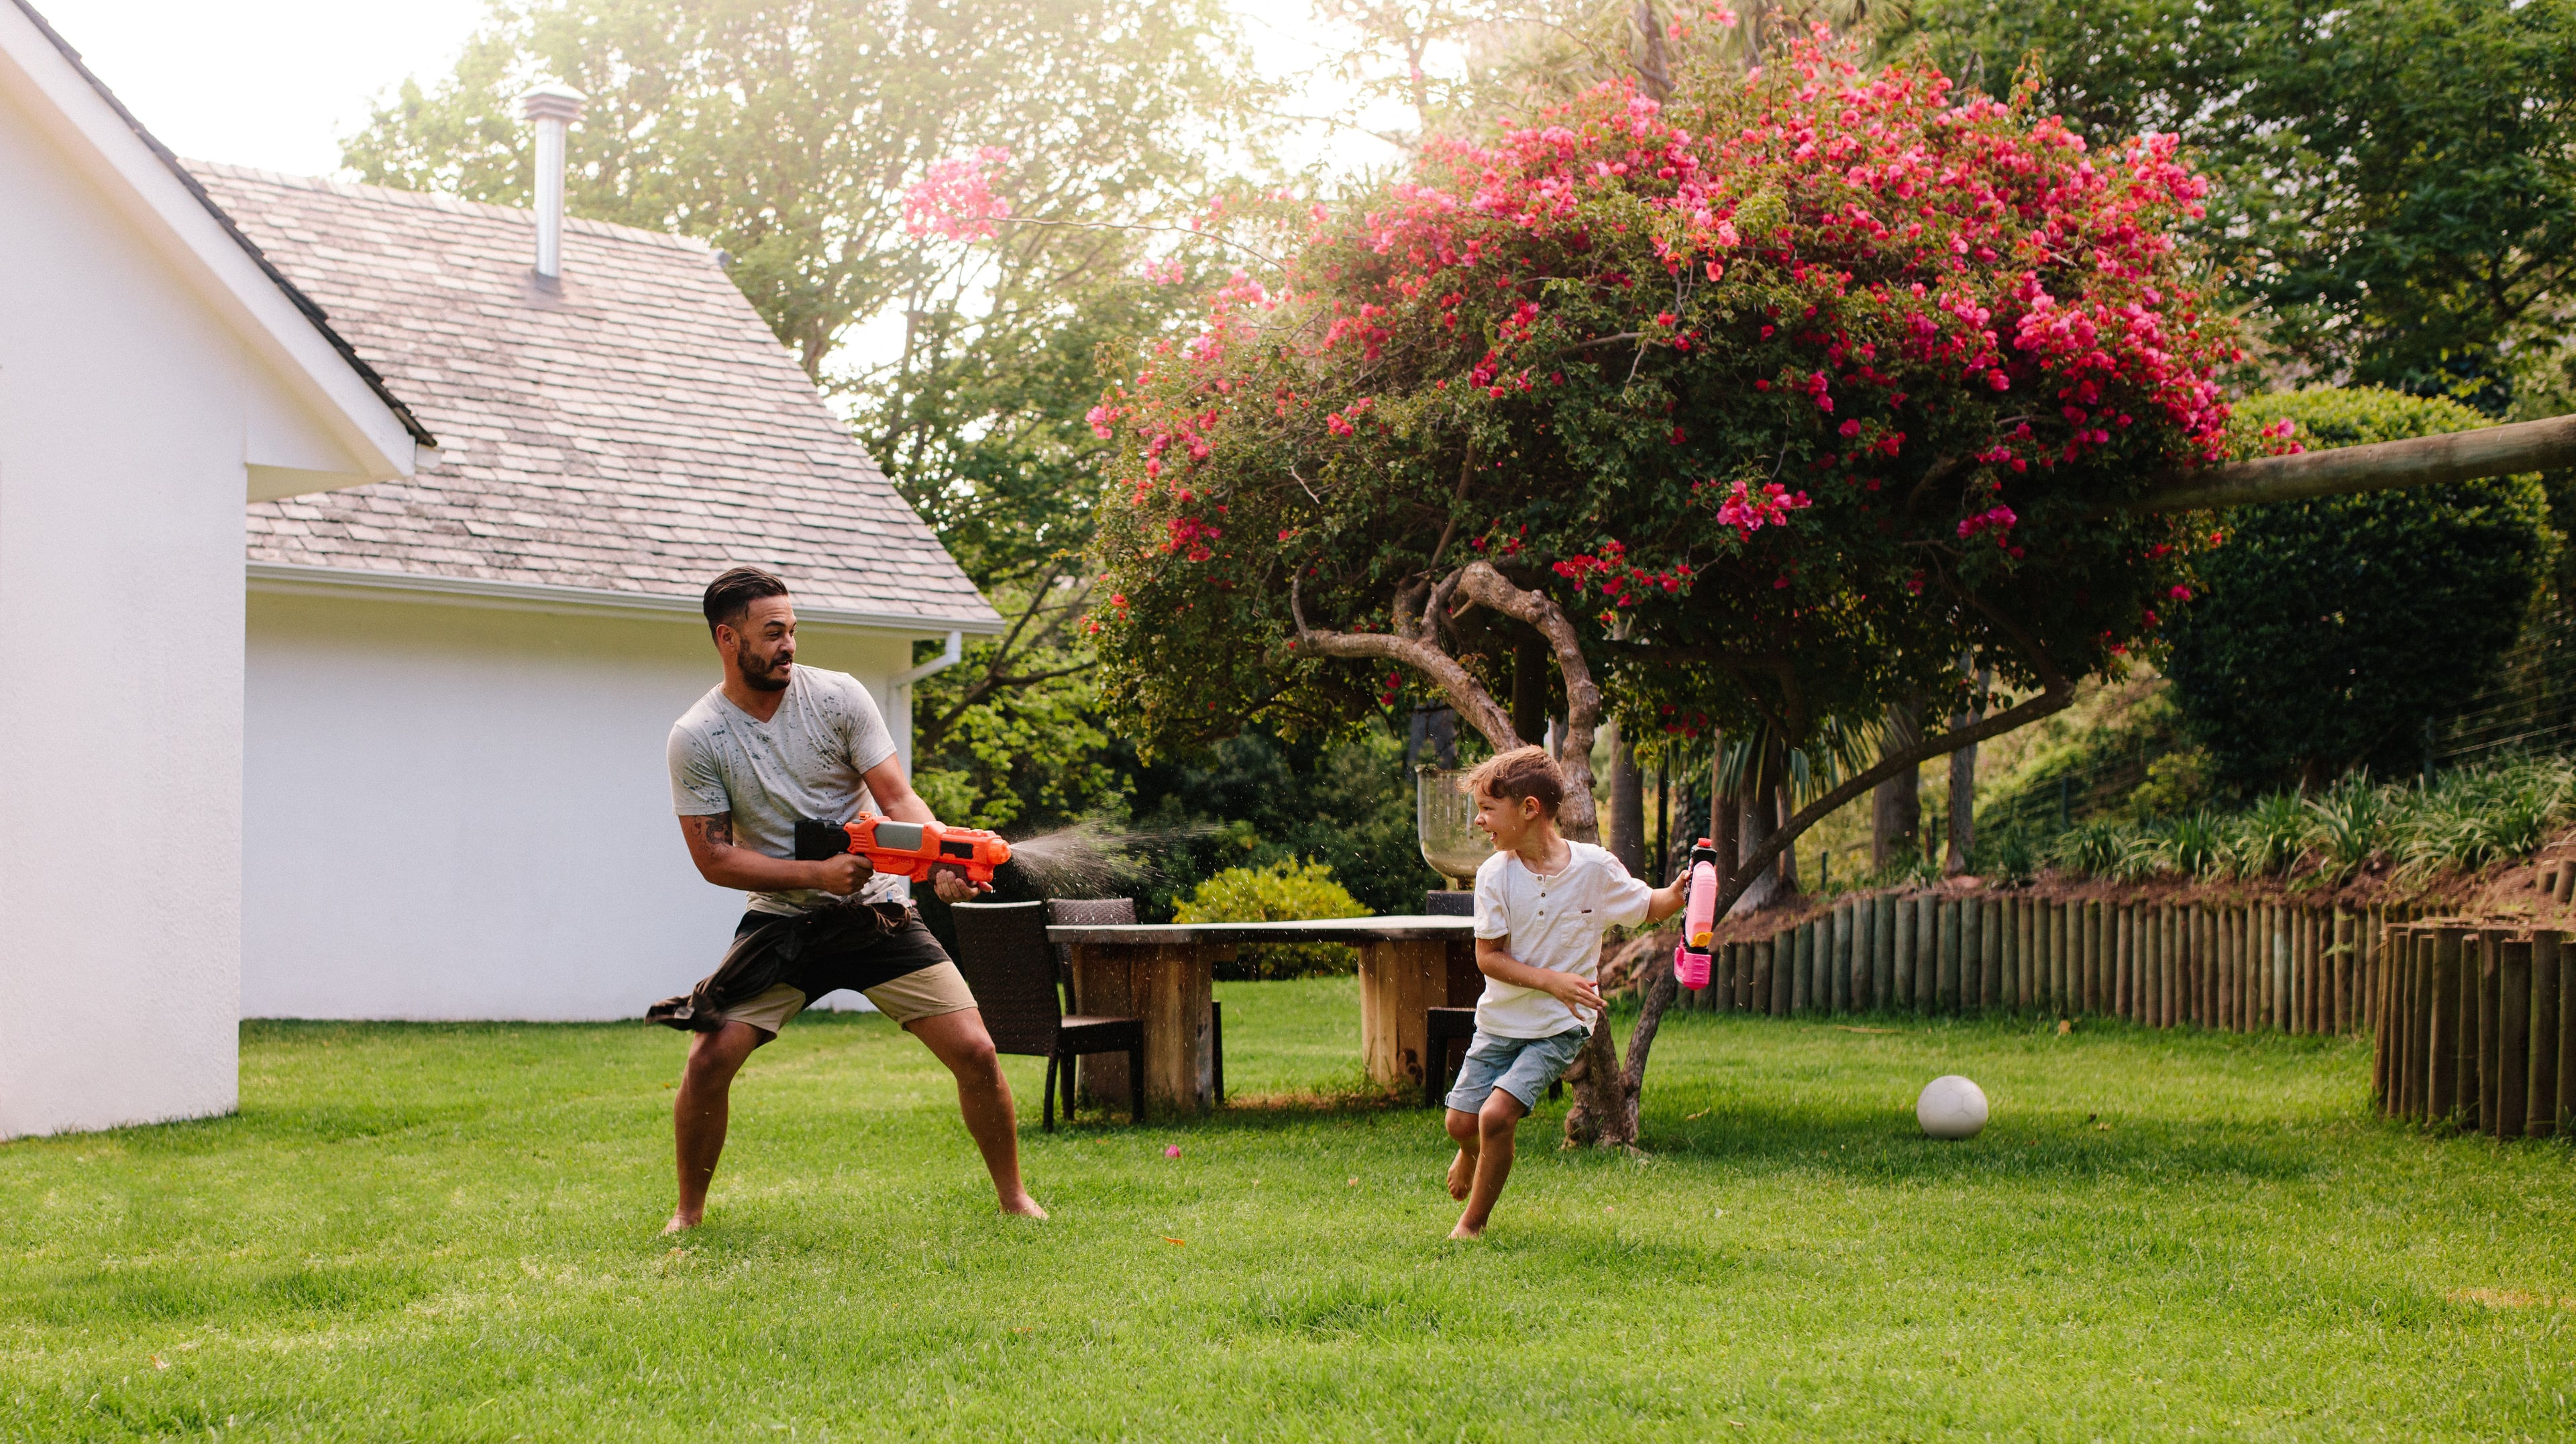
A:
(284, 578)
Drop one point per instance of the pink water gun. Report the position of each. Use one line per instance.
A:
(1699, 918)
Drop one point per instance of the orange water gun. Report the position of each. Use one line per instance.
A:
(904, 849)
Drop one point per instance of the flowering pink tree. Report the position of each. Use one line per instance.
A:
(1761, 404)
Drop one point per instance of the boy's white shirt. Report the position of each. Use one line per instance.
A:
(1555, 923)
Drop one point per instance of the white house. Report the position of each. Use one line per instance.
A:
(155, 372)
(461, 681)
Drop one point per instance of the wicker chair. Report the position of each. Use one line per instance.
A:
(1074, 912)
(1002, 949)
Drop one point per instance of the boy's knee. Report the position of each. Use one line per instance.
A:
(1462, 1126)
(1500, 1115)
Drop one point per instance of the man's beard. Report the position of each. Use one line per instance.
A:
(756, 673)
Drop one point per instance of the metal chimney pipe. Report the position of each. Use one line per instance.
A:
(551, 108)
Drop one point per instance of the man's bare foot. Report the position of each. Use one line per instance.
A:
(1463, 1231)
(680, 1223)
(1462, 1172)
(1023, 1207)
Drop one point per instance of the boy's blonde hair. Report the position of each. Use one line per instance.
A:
(1521, 772)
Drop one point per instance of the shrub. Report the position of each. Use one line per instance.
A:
(2006, 855)
(2327, 632)
(1285, 891)
(2092, 849)
(2176, 782)
(2194, 845)
(2268, 838)
(2349, 826)
(2470, 819)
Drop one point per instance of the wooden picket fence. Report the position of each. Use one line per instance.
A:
(2240, 965)
(2477, 1029)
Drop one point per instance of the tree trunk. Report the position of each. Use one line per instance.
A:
(1963, 784)
(1529, 690)
(1788, 855)
(1896, 805)
(1758, 804)
(1724, 820)
(1627, 803)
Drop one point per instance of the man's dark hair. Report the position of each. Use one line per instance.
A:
(731, 595)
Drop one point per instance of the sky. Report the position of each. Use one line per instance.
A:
(267, 83)
(276, 83)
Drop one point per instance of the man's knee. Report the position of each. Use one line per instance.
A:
(962, 1043)
(715, 1057)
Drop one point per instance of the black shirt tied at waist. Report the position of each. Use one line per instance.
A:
(765, 956)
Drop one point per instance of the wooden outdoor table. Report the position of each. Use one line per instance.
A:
(1165, 973)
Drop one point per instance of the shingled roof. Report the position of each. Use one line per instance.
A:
(630, 431)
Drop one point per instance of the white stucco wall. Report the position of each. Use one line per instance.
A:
(463, 812)
(124, 414)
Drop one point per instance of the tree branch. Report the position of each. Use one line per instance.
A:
(1486, 587)
(1466, 696)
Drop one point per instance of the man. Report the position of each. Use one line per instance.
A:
(772, 743)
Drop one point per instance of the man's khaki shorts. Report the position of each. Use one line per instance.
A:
(934, 990)
(903, 971)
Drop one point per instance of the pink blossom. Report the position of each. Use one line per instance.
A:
(955, 199)
(1749, 513)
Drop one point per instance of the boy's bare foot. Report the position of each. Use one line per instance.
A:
(1463, 1231)
(1462, 1173)
(1023, 1207)
(681, 1223)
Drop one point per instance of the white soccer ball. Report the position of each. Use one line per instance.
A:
(1951, 1107)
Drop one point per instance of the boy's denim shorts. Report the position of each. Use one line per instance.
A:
(1522, 1067)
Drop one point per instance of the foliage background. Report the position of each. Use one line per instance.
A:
(2331, 633)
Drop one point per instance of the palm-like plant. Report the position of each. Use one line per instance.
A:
(2348, 826)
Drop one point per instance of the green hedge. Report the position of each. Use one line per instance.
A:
(2327, 633)
(1286, 891)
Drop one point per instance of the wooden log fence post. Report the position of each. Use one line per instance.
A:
(2343, 971)
(1990, 969)
(2379, 1070)
(1946, 995)
(1907, 925)
(2406, 1058)
(2279, 994)
(2061, 956)
(1834, 973)
(2226, 968)
(2489, 965)
(2174, 921)
(2565, 950)
(1882, 963)
(2212, 926)
(2011, 939)
(2095, 995)
(2442, 1095)
(1855, 981)
(2513, 1036)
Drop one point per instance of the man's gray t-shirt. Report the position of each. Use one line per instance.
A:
(805, 761)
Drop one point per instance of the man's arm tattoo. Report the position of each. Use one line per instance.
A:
(716, 830)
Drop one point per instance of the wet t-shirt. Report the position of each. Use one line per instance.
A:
(807, 760)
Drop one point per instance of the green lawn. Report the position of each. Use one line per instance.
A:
(449, 1233)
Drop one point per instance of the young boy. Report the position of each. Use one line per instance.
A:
(1541, 904)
